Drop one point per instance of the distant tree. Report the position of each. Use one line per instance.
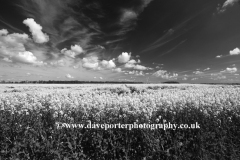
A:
(172, 82)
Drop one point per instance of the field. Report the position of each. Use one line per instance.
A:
(40, 121)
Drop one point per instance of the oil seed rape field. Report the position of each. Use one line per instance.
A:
(30, 115)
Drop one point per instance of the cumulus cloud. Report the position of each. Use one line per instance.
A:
(117, 70)
(230, 70)
(219, 56)
(131, 72)
(3, 32)
(77, 49)
(36, 30)
(193, 79)
(12, 47)
(226, 4)
(132, 61)
(140, 73)
(90, 62)
(68, 53)
(132, 64)
(140, 67)
(217, 76)
(137, 73)
(10, 44)
(69, 76)
(7, 59)
(207, 69)
(93, 62)
(73, 52)
(58, 63)
(27, 57)
(124, 57)
(165, 75)
(108, 64)
(236, 51)
(129, 65)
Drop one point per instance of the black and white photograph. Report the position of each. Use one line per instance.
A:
(119, 79)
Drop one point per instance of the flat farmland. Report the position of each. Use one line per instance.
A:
(42, 121)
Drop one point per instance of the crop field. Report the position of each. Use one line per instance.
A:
(127, 121)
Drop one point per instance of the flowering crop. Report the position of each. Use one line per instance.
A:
(216, 105)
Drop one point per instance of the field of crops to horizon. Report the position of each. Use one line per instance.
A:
(42, 121)
(119, 80)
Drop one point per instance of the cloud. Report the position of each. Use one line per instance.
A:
(3, 32)
(7, 59)
(66, 24)
(193, 79)
(90, 62)
(36, 30)
(230, 70)
(236, 51)
(62, 21)
(140, 67)
(132, 61)
(140, 73)
(137, 73)
(131, 72)
(12, 47)
(217, 76)
(69, 76)
(185, 78)
(124, 57)
(198, 72)
(128, 15)
(165, 75)
(93, 62)
(100, 77)
(219, 56)
(60, 63)
(77, 49)
(68, 53)
(108, 64)
(206, 69)
(26, 57)
(227, 3)
(10, 44)
(117, 70)
(129, 65)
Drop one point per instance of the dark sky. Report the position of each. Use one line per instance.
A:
(133, 40)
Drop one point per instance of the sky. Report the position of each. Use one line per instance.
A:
(129, 40)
